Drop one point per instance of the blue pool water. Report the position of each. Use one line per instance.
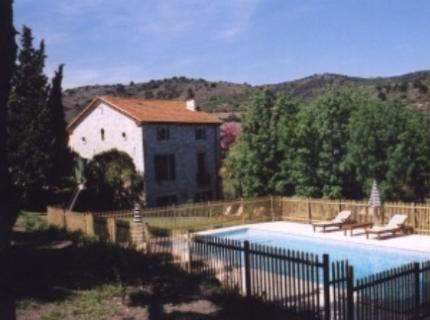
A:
(366, 259)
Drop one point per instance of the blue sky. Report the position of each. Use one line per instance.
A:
(254, 41)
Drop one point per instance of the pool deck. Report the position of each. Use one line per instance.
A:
(410, 242)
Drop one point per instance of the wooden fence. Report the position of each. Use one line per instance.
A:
(271, 208)
(310, 210)
(105, 228)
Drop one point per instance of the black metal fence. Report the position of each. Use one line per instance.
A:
(399, 294)
(302, 283)
(296, 281)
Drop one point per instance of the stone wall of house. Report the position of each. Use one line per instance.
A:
(120, 132)
(185, 146)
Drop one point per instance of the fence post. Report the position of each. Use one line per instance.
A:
(350, 293)
(272, 211)
(417, 289)
(243, 210)
(89, 223)
(415, 216)
(326, 286)
(190, 252)
(247, 269)
(309, 210)
(111, 226)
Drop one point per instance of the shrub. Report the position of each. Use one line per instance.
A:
(112, 182)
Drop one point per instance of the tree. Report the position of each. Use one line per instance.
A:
(229, 132)
(261, 161)
(111, 181)
(8, 206)
(374, 131)
(332, 124)
(29, 159)
(305, 145)
(408, 165)
(55, 129)
(234, 170)
(287, 143)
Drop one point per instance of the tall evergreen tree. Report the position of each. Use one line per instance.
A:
(29, 161)
(8, 207)
(56, 130)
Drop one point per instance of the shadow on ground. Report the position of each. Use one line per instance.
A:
(50, 266)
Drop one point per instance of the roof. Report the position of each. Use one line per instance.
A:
(149, 110)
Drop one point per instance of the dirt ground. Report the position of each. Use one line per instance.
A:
(58, 275)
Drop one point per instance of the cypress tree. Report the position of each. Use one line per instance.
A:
(56, 129)
(8, 207)
(28, 145)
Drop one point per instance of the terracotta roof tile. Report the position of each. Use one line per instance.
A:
(150, 110)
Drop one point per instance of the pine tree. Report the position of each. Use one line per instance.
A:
(8, 207)
(56, 129)
(28, 145)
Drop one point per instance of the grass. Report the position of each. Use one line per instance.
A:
(194, 224)
(32, 221)
(89, 279)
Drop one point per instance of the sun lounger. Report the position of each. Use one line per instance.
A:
(342, 218)
(395, 225)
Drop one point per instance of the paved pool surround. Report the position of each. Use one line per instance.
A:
(412, 242)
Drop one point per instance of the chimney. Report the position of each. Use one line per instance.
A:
(191, 105)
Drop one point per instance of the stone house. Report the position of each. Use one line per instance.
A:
(175, 146)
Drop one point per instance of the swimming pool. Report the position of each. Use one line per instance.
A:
(366, 259)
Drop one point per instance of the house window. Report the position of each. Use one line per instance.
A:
(165, 167)
(200, 133)
(167, 201)
(124, 136)
(102, 134)
(163, 134)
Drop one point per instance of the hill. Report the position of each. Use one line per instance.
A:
(411, 89)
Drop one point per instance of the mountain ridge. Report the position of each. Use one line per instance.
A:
(411, 89)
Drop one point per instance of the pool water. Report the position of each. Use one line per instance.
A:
(366, 259)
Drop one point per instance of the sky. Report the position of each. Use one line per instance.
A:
(253, 41)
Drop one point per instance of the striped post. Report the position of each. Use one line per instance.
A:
(137, 214)
(137, 229)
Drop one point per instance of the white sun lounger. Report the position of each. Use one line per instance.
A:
(396, 224)
(342, 218)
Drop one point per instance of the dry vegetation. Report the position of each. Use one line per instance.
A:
(411, 89)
